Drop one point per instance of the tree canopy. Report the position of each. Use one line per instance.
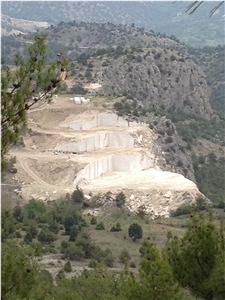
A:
(31, 83)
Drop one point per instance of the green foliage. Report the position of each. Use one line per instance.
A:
(28, 238)
(33, 81)
(73, 252)
(18, 271)
(124, 256)
(183, 210)
(74, 231)
(34, 208)
(32, 228)
(67, 267)
(120, 199)
(93, 221)
(46, 236)
(104, 256)
(68, 223)
(100, 226)
(197, 259)
(211, 186)
(135, 231)
(117, 227)
(7, 225)
(77, 196)
(155, 280)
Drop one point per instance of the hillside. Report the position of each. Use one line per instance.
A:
(159, 78)
(164, 17)
(156, 79)
(91, 39)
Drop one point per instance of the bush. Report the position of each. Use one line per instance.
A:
(201, 203)
(77, 196)
(18, 234)
(132, 265)
(120, 199)
(183, 210)
(32, 228)
(135, 231)
(46, 236)
(74, 231)
(73, 252)
(34, 207)
(64, 244)
(92, 264)
(67, 267)
(93, 221)
(124, 256)
(117, 227)
(100, 226)
(28, 238)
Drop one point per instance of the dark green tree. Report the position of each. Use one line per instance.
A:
(68, 223)
(120, 199)
(135, 231)
(17, 213)
(198, 258)
(74, 231)
(93, 221)
(28, 238)
(18, 271)
(33, 82)
(67, 267)
(77, 196)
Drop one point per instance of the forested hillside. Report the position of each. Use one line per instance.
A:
(169, 17)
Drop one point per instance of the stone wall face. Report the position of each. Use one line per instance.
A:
(99, 141)
(114, 163)
(103, 119)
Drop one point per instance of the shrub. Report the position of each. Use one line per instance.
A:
(100, 226)
(64, 244)
(132, 265)
(124, 256)
(28, 238)
(74, 231)
(32, 228)
(135, 231)
(77, 196)
(201, 203)
(67, 267)
(92, 264)
(183, 210)
(117, 227)
(93, 221)
(120, 199)
(18, 234)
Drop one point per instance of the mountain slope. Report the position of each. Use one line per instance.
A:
(168, 17)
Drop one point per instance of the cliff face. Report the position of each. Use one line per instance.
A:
(160, 78)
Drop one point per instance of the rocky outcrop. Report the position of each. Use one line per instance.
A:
(160, 78)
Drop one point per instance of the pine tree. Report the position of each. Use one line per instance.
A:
(198, 259)
(32, 83)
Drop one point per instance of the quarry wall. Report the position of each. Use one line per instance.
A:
(114, 163)
(102, 119)
(98, 141)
